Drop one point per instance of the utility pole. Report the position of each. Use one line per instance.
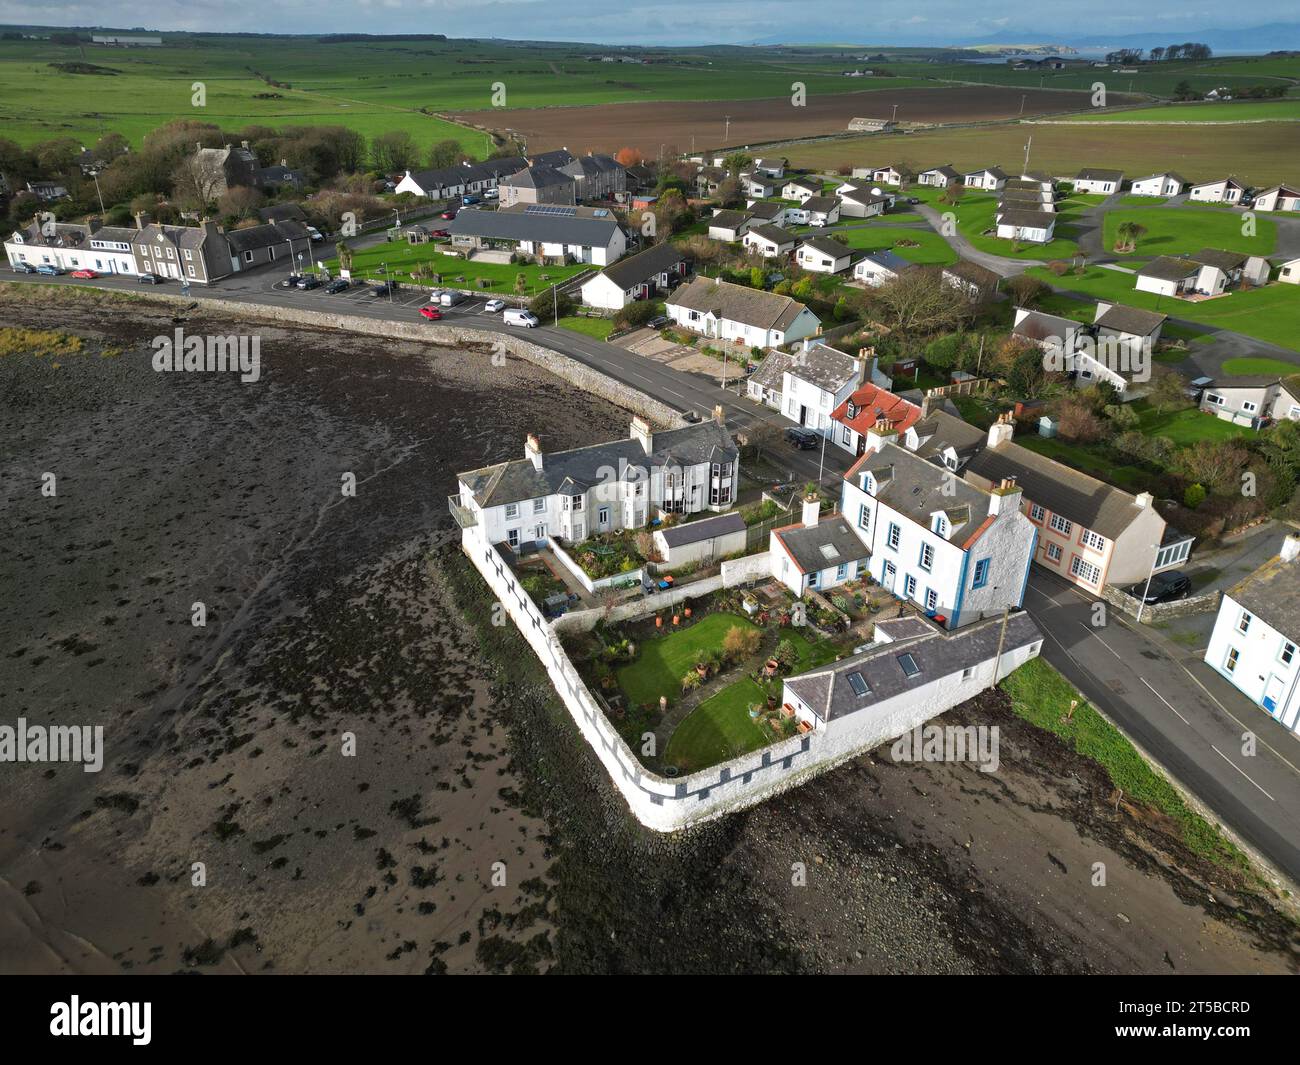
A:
(1022, 104)
(894, 117)
(726, 131)
(1002, 635)
(1027, 147)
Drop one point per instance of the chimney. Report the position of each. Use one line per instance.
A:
(867, 357)
(880, 434)
(1143, 499)
(642, 433)
(925, 402)
(141, 219)
(812, 508)
(198, 146)
(533, 451)
(1002, 430)
(719, 415)
(1290, 548)
(1005, 497)
(284, 163)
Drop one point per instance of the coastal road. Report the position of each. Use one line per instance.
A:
(1164, 699)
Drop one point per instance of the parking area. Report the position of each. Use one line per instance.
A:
(651, 345)
(365, 294)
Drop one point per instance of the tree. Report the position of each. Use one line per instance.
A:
(392, 152)
(240, 202)
(1168, 391)
(1193, 496)
(757, 278)
(445, 153)
(345, 256)
(918, 301)
(739, 644)
(1025, 291)
(1077, 421)
(1127, 236)
(1215, 463)
(735, 162)
(628, 156)
(521, 283)
(196, 183)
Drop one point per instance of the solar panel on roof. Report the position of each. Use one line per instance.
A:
(551, 209)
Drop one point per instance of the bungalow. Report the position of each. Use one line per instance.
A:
(771, 242)
(1254, 401)
(1099, 182)
(888, 175)
(551, 232)
(1089, 532)
(823, 255)
(766, 384)
(636, 277)
(818, 380)
(860, 201)
(801, 188)
(815, 211)
(1025, 200)
(767, 211)
(1168, 275)
(977, 283)
(622, 484)
(749, 316)
(759, 186)
(959, 551)
(1131, 333)
(729, 226)
(1048, 331)
(771, 167)
(268, 243)
(1256, 634)
(1289, 272)
(709, 180)
(939, 177)
(1040, 184)
(879, 267)
(706, 540)
(1222, 270)
(538, 184)
(818, 553)
(1166, 184)
(1225, 190)
(990, 179)
(864, 409)
(1036, 227)
(1278, 198)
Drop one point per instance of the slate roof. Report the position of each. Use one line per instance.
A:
(806, 183)
(766, 210)
(1170, 268)
(280, 212)
(727, 219)
(828, 693)
(828, 246)
(441, 177)
(1272, 594)
(1224, 260)
(588, 166)
(1163, 174)
(555, 158)
(634, 269)
(820, 203)
(265, 235)
(823, 366)
(692, 532)
(517, 223)
(537, 177)
(751, 306)
(973, 272)
(1089, 173)
(831, 542)
(1132, 320)
(1062, 489)
(917, 488)
(998, 173)
(771, 371)
(1039, 325)
(941, 430)
(775, 234)
(1219, 181)
(584, 467)
(946, 170)
(1024, 219)
(888, 260)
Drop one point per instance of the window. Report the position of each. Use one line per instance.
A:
(1061, 525)
(248, 256)
(1085, 570)
(1215, 399)
(579, 533)
(1230, 663)
(539, 506)
(909, 586)
(1243, 622)
(941, 525)
(576, 502)
(812, 579)
(931, 599)
(909, 666)
(1091, 539)
(864, 518)
(894, 534)
(981, 573)
(842, 571)
(1288, 653)
(512, 510)
(602, 515)
(927, 557)
(512, 537)
(967, 673)
(1249, 407)
(859, 684)
(846, 435)
(189, 255)
(1054, 552)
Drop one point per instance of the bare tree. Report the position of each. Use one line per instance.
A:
(917, 301)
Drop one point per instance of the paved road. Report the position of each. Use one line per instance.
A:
(1169, 702)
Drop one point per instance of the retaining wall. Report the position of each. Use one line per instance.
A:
(1195, 604)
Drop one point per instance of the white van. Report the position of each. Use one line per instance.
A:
(450, 298)
(516, 316)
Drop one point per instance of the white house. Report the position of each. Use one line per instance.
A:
(1126, 338)
(449, 182)
(74, 246)
(748, 316)
(728, 226)
(635, 277)
(1289, 272)
(1278, 198)
(817, 381)
(1168, 275)
(605, 487)
(959, 552)
(705, 540)
(554, 233)
(1167, 184)
(861, 201)
(822, 255)
(1253, 400)
(815, 211)
(887, 175)
(939, 177)
(773, 168)
(759, 186)
(990, 179)
(766, 212)
(819, 553)
(879, 267)
(1225, 190)
(1256, 635)
(801, 188)
(771, 242)
(1036, 227)
(765, 385)
(1099, 182)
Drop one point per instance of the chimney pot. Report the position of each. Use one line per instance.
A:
(533, 451)
(812, 508)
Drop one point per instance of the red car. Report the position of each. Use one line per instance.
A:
(440, 233)
(85, 275)
(448, 214)
(431, 313)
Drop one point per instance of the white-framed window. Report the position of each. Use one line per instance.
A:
(1091, 539)
(864, 518)
(1248, 406)
(1061, 525)
(909, 586)
(1054, 552)
(846, 435)
(967, 673)
(894, 534)
(539, 506)
(941, 525)
(1243, 622)
(512, 537)
(1230, 663)
(1287, 655)
(602, 515)
(576, 502)
(1085, 570)
(189, 255)
(931, 599)
(1294, 413)
(1215, 400)
(512, 510)
(927, 557)
(842, 571)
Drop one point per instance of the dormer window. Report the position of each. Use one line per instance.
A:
(941, 525)
(853, 410)
(868, 484)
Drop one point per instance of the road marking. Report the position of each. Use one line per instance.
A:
(1165, 701)
(1101, 641)
(1239, 769)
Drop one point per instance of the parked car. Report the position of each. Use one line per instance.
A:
(290, 282)
(1163, 588)
(803, 439)
(525, 319)
(444, 233)
(309, 282)
(315, 234)
(659, 321)
(339, 284)
(450, 297)
(49, 270)
(384, 288)
(84, 275)
(491, 194)
(149, 279)
(431, 313)
(913, 200)
(469, 199)
(494, 305)
(435, 295)
(448, 214)
(24, 268)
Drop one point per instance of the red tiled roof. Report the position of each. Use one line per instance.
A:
(873, 403)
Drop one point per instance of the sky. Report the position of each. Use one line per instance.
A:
(934, 22)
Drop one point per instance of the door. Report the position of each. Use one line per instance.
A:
(539, 534)
(1272, 694)
(803, 415)
(887, 577)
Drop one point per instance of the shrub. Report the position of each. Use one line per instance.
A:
(1193, 496)
(741, 643)
(637, 313)
(786, 654)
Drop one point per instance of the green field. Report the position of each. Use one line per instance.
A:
(664, 661)
(931, 248)
(1232, 111)
(1189, 426)
(599, 328)
(399, 257)
(1186, 230)
(1257, 367)
(975, 215)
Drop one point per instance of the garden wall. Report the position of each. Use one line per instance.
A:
(1195, 604)
(580, 575)
(670, 803)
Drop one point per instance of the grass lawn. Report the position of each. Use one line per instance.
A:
(1206, 111)
(718, 729)
(600, 328)
(1271, 313)
(811, 655)
(931, 248)
(1186, 230)
(1142, 201)
(1087, 460)
(663, 661)
(1186, 426)
(975, 215)
(400, 257)
(1259, 366)
(1042, 697)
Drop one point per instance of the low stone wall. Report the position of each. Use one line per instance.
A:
(1180, 608)
(580, 575)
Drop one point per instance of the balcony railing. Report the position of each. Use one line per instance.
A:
(465, 516)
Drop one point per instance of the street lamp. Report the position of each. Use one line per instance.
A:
(387, 283)
(1145, 591)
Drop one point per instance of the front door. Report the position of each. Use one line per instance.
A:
(539, 534)
(1272, 694)
(887, 576)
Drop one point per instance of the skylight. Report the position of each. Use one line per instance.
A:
(830, 551)
(909, 665)
(859, 684)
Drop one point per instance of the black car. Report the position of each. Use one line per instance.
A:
(290, 282)
(384, 288)
(309, 282)
(149, 279)
(913, 200)
(803, 439)
(24, 268)
(1164, 588)
(659, 321)
(339, 284)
